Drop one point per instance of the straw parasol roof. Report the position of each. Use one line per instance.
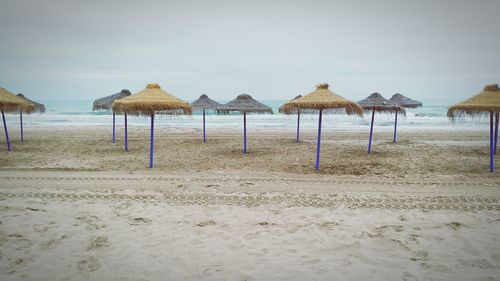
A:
(401, 100)
(152, 100)
(281, 107)
(106, 102)
(380, 104)
(246, 104)
(486, 101)
(10, 102)
(39, 108)
(324, 99)
(204, 102)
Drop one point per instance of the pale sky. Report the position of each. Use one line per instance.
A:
(81, 50)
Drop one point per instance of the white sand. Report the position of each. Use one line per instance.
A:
(102, 226)
(75, 207)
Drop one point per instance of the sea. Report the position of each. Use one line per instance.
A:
(432, 116)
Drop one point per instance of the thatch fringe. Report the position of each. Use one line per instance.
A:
(149, 108)
(12, 103)
(39, 108)
(479, 105)
(281, 110)
(349, 108)
(381, 109)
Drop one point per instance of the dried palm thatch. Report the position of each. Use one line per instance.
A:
(204, 103)
(481, 104)
(399, 99)
(152, 100)
(39, 108)
(323, 99)
(12, 103)
(106, 102)
(380, 104)
(281, 109)
(246, 104)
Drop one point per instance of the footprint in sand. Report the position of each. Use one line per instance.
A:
(52, 243)
(34, 209)
(419, 255)
(139, 221)
(408, 277)
(10, 265)
(330, 225)
(98, 243)
(15, 241)
(205, 223)
(454, 225)
(480, 263)
(88, 265)
(379, 231)
(89, 221)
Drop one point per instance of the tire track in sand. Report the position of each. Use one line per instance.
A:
(492, 182)
(459, 203)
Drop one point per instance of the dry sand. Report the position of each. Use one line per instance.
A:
(73, 206)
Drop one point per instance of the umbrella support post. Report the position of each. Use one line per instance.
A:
(244, 133)
(395, 127)
(6, 132)
(126, 133)
(298, 126)
(371, 133)
(22, 131)
(204, 133)
(151, 143)
(318, 145)
(492, 163)
(496, 132)
(114, 140)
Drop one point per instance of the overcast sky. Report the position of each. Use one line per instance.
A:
(64, 49)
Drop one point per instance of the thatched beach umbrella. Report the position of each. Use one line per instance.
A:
(12, 103)
(484, 103)
(39, 108)
(148, 102)
(377, 103)
(104, 104)
(399, 99)
(244, 104)
(281, 109)
(322, 99)
(204, 103)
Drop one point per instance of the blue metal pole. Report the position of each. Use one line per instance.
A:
(496, 131)
(6, 131)
(126, 133)
(371, 133)
(395, 127)
(318, 145)
(22, 131)
(151, 144)
(204, 134)
(298, 125)
(492, 164)
(114, 140)
(244, 133)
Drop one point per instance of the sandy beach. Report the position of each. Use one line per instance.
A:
(74, 206)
